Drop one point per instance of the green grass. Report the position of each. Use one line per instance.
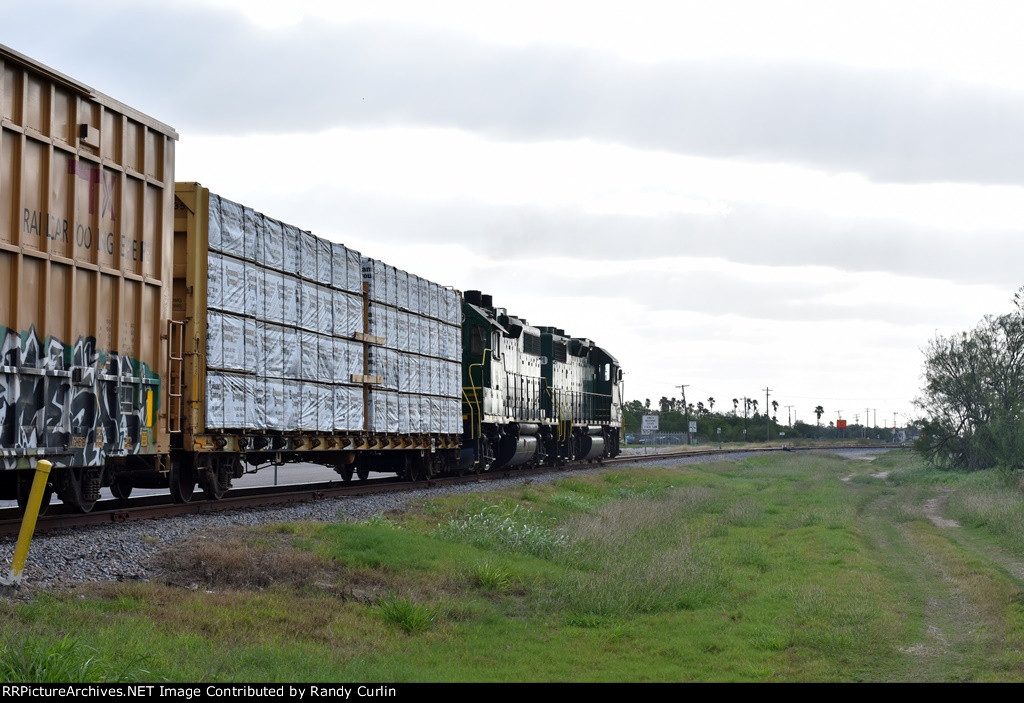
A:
(408, 615)
(773, 568)
(489, 576)
(66, 660)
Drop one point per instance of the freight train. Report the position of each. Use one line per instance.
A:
(155, 334)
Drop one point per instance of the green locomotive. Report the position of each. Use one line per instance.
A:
(533, 395)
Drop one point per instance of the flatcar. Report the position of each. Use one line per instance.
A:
(155, 334)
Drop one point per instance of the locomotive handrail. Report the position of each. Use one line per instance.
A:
(472, 410)
(479, 411)
(556, 400)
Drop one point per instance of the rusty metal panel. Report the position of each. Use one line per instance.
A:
(86, 198)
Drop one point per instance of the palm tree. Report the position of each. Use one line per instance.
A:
(775, 407)
(663, 404)
(819, 411)
(754, 404)
(701, 410)
(711, 405)
(735, 406)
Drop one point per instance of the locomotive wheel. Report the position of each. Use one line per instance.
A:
(25, 489)
(182, 480)
(121, 489)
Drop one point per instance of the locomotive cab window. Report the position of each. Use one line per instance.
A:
(476, 340)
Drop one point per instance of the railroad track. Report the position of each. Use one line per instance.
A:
(151, 507)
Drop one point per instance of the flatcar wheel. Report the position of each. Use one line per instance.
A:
(121, 489)
(182, 479)
(212, 488)
(215, 479)
(363, 472)
(25, 489)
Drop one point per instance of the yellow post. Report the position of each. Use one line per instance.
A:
(28, 523)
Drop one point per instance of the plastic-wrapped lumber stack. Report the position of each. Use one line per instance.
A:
(284, 307)
(420, 357)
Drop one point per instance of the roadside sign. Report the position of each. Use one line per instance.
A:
(649, 424)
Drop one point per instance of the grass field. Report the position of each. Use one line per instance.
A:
(785, 567)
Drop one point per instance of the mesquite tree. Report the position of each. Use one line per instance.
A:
(973, 395)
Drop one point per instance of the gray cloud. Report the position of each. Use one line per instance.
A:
(756, 235)
(210, 71)
(720, 293)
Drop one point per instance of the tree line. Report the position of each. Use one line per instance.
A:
(673, 415)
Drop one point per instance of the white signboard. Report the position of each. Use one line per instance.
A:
(649, 424)
(693, 427)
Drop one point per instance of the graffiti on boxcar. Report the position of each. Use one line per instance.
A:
(73, 404)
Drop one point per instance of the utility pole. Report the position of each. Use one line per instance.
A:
(789, 415)
(745, 406)
(686, 410)
(767, 417)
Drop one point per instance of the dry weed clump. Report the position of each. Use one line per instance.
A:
(237, 563)
(614, 520)
(640, 556)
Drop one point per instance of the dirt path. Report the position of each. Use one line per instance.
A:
(950, 580)
(933, 510)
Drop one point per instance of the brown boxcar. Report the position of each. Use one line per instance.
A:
(86, 206)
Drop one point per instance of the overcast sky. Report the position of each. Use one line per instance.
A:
(727, 195)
